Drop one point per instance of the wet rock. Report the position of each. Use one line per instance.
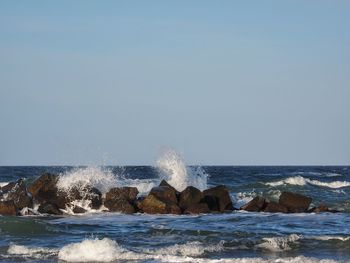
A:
(189, 197)
(274, 207)
(8, 208)
(44, 190)
(222, 195)
(152, 205)
(121, 199)
(165, 183)
(48, 208)
(79, 210)
(165, 194)
(200, 208)
(91, 194)
(255, 205)
(321, 209)
(211, 202)
(17, 192)
(295, 203)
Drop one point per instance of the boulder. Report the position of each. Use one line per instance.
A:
(121, 199)
(274, 207)
(8, 208)
(48, 208)
(200, 208)
(17, 192)
(211, 202)
(165, 183)
(222, 195)
(79, 210)
(256, 205)
(91, 194)
(189, 197)
(165, 194)
(44, 190)
(152, 205)
(295, 203)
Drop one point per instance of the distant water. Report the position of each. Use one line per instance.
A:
(232, 237)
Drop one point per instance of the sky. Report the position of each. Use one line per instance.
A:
(221, 82)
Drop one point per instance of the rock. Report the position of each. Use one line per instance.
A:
(17, 192)
(44, 190)
(211, 202)
(152, 205)
(165, 194)
(121, 199)
(88, 193)
(255, 205)
(48, 208)
(200, 208)
(274, 207)
(295, 203)
(321, 209)
(79, 210)
(8, 208)
(165, 183)
(222, 196)
(189, 197)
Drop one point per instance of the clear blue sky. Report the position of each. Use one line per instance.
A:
(223, 82)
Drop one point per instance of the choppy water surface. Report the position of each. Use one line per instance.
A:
(232, 237)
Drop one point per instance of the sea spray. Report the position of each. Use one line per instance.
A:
(172, 168)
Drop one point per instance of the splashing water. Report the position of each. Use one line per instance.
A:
(172, 168)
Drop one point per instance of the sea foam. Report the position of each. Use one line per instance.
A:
(299, 180)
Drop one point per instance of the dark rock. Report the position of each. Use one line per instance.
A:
(165, 183)
(48, 208)
(200, 208)
(44, 190)
(8, 208)
(17, 192)
(274, 207)
(295, 203)
(189, 197)
(255, 205)
(222, 196)
(211, 202)
(165, 194)
(121, 199)
(87, 193)
(320, 209)
(78, 210)
(152, 205)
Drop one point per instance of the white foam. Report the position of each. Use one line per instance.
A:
(299, 180)
(172, 168)
(99, 250)
(279, 243)
(326, 238)
(2, 184)
(242, 198)
(31, 252)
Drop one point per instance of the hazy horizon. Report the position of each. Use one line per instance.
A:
(222, 83)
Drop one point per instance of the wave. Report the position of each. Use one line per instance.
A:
(107, 250)
(327, 238)
(2, 184)
(172, 168)
(277, 244)
(299, 180)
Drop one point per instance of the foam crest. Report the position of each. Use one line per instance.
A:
(172, 168)
(299, 180)
(279, 243)
(327, 238)
(2, 184)
(31, 252)
(96, 250)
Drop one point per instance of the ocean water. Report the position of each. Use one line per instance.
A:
(231, 237)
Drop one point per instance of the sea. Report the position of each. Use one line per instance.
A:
(236, 236)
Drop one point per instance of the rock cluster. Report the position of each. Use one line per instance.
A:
(16, 198)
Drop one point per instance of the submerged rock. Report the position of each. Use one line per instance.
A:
(222, 196)
(8, 208)
(190, 197)
(295, 203)
(274, 207)
(256, 205)
(121, 199)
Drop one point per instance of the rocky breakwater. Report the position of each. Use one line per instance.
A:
(45, 197)
(288, 203)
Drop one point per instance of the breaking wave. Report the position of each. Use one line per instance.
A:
(279, 243)
(172, 168)
(31, 252)
(299, 180)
